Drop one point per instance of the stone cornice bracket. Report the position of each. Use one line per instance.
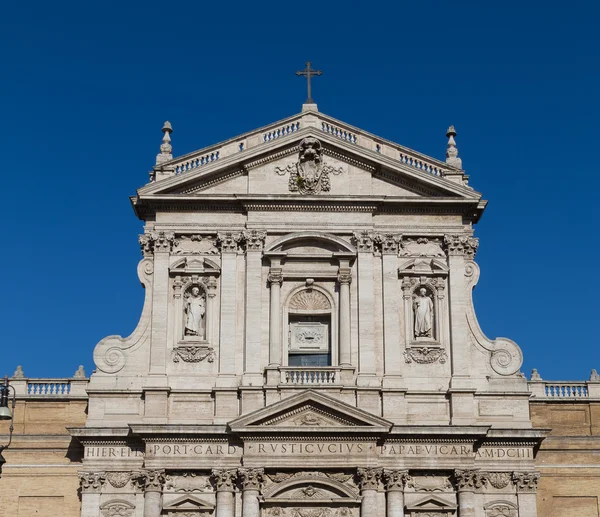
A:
(154, 242)
(526, 481)
(368, 478)
(91, 482)
(224, 479)
(229, 241)
(461, 245)
(275, 276)
(255, 239)
(395, 479)
(251, 479)
(469, 480)
(363, 240)
(344, 275)
(151, 480)
(388, 242)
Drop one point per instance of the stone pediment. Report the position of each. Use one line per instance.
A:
(263, 163)
(312, 412)
(189, 504)
(431, 503)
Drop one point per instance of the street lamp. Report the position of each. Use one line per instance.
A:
(6, 413)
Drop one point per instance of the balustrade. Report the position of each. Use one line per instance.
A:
(310, 376)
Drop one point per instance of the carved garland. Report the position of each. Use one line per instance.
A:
(425, 355)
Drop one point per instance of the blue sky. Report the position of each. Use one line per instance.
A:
(86, 86)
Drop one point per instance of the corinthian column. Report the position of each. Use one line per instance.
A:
(368, 480)
(344, 279)
(275, 281)
(526, 484)
(225, 485)
(250, 480)
(467, 481)
(91, 487)
(395, 481)
(152, 482)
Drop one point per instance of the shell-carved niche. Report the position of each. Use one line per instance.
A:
(309, 300)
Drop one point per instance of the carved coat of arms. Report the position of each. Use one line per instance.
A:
(309, 175)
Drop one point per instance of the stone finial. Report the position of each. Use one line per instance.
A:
(19, 374)
(80, 373)
(166, 149)
(535, 375)
(451, 149)
(594, 376)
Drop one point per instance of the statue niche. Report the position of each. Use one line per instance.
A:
(423, 309)
(194, 312)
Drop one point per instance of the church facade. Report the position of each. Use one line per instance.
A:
(308, 345)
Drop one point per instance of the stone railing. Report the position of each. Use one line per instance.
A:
(63, 388)
(315, 376)
(292, 125)
(564, 390)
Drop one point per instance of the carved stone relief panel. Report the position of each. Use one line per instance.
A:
(117, 508)
(187, 482)
(195, 245)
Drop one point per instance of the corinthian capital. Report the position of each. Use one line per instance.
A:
(469, 480)
(526, 481)
(224, 479)
(250, 478)
(91, 482)
(255, 239)
(229, 241)
(461, 245)
(364, 241)
(368, 478)
(389, 242)
(156, 242)
(395, 479)
(151, 480)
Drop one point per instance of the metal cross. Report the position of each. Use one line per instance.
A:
(308, 72)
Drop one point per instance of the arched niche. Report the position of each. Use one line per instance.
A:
(309, 318)
(310, 244)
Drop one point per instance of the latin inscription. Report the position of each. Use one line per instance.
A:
(506, 453)
(426, 450)
(192, 449)
(307, 448)
(113, 452)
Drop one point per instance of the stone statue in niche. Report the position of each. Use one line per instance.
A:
(423, 308)
(194, 309)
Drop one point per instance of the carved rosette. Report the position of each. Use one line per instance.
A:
(461, 245)
(91, 482)
(154, 242)
(469, 480)
(395, 479)
(255, 239)
(425, 355)
(229, 241)
(224, 479)
(118, 479)
(250, 479)
(275, 276)
(388, 242)
(363, 241)
(368, 478)
(526, 481)
(499, 480)
(151, 480)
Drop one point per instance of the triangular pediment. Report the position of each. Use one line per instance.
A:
(309, 411)
(265, 162)
(431, 503)
(188, 503)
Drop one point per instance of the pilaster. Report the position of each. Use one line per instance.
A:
(250, 480)
(224, 481)
(526, 484)
(152, 482)
(467, 481)
(91, 487)
(368, 481)
(252, 349)
(394, 482)
(228, 242)
(366, 301)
